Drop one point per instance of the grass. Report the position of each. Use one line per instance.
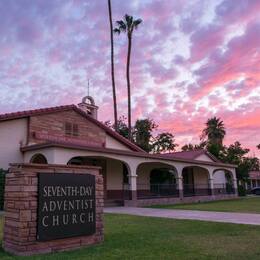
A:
(243, 205)
(131, 237)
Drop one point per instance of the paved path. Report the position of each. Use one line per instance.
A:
(228, 217)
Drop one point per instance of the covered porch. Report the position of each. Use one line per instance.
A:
(137, 179)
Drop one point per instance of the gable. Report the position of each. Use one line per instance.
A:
(112, 143)
(52, 127)
(204, 157)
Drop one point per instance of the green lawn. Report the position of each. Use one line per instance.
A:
(246, 205)
(130, 237)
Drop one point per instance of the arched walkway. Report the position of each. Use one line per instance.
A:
(223, 182)
(115, 175)
(156, 179)
(195, 181)
(39, 159)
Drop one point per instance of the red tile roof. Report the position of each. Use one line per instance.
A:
(192, 155)
(42, 111)
(35, 112)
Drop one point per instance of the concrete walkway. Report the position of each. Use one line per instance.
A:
(227, 217)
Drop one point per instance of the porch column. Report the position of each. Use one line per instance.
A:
(211, 186)
(211, 181)
(180, 186)
(235, 186)
(234, 179)
(133, 187)
(132, 179)
(179, 179)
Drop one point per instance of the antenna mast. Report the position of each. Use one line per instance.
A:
(88, 87)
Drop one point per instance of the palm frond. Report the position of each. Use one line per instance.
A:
(136, 23)
(128, 20)
(121, 25)
(117, 31)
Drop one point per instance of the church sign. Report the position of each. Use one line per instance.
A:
(66, 206)
(53, 208)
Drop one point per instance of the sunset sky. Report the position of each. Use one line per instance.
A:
(191, 60)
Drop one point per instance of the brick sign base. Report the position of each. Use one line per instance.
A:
(21, 199)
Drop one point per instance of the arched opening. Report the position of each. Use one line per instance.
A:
(223, 182)
(195, 181)
(115, 176)
(162, 176)
(156, 180)
(76, 161)
(39, 159)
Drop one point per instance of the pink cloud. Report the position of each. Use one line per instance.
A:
(49, 49)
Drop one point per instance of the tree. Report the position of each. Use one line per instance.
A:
(246, 165)
(191, 147)
(235, 154)
(128, 25)
(142, 133)
(215, 149)
(214, 131)
(122, 128)
(164, 142)
(253, 163)
(112, 64)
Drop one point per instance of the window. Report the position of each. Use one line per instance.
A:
(71, 129)
(39, 159)
(76, 161)
(68, 128)
(75, 129)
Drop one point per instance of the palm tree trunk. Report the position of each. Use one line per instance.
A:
(112, 65)
(129, 86)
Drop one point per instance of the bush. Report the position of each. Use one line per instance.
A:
(241, 191)
(2, 188)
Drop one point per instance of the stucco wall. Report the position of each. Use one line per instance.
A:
(200, 176)
(114, 144)
(143, 173)
(47, 152)
(219, 177)
(13, 133)
(114, 178)
(204, 157)
(143, 177)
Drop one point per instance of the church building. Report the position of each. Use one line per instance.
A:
(72, 134)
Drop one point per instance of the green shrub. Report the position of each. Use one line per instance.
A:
(2, 188)
(241, 191)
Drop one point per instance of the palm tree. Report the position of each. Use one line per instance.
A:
(112, 64)
(128, 25)
(214, 131)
